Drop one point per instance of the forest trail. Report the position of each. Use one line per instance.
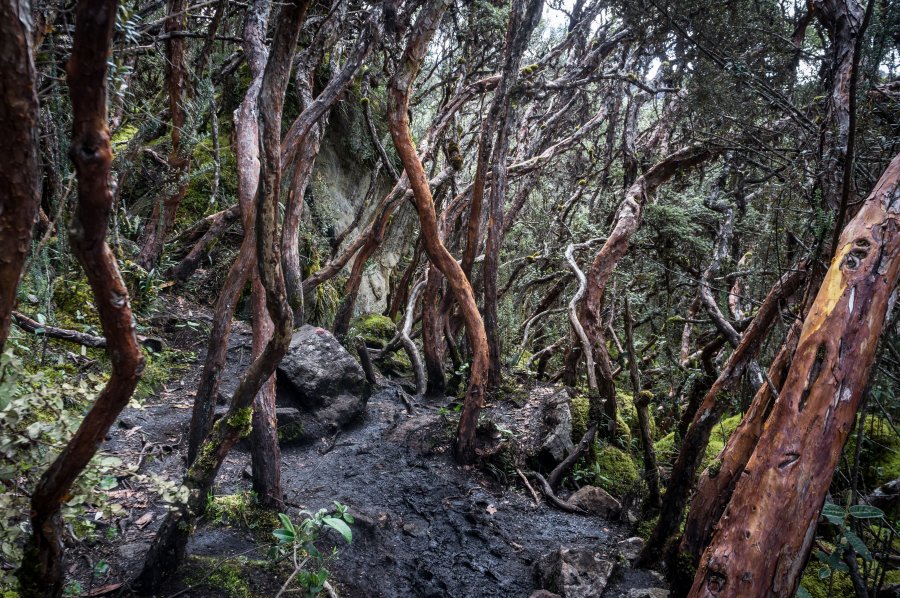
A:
(425, 527)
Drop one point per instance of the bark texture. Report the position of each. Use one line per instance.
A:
(20, 175)
(766, 533)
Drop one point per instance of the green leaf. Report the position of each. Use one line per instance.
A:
(834, 513)
(824, 572)
(866, 512)
(284, 536)
(339, 526)
(803, 593)
(287, 523)
(858, 545)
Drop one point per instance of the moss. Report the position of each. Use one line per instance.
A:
(615, 470)
(242, 420)
(74, 303)
(880, 453)
(229, 577)
(629, 414)
(159, 368)
(645, 527)
(838, 587)
(123, 135)
(666, 450)
(376, 330)
(241, 510)
(289, 433)
(579, 408)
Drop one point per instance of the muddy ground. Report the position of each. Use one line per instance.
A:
(424, 526)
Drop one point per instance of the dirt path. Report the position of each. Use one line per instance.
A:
(425, 527)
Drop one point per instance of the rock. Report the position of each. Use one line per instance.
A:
(648, 593)
(556, 430)
(596, 501)
(573, 572)
(324, 378)
(134, 550)
(630, 548)
(544, 594)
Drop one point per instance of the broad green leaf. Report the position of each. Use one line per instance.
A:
(858, 545)
(339, 526)
(284, 536)
(824, 572)
(834, 513)
(286, 522)
(866, 512)
(803, 593)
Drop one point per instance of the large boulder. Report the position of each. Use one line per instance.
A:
(323, 379)
(573, 572)
(596, 501)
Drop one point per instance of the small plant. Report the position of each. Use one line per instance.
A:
(298, 542)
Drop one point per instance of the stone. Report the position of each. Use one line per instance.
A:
(544, 594)
(323, 378)
(648, 593)
(573, 572)
(630, 548)
(133, 550)
(596, 501)
(556, 430)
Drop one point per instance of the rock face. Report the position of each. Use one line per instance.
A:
(630, 549)
(596, 501)
(556, 431)
(573, 572)
(323, 380)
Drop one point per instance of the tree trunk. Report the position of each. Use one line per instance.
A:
(20, 175)
(693, 446)
(246, 142)
(162, 218)
(43, 569)
(168, 547)
(433, 333)
(766, 533)
(523, 19)
(651, 470)
(628, 220)
(398, 120)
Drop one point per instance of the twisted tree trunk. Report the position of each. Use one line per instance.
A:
(43, 571)
(398, 120)
(168, 547)
(766, 532)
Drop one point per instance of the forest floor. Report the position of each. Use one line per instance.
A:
(424, 526)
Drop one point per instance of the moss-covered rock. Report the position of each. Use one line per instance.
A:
(376, 332)
(74, 303)
(615, 470)
(580, 407)
(666, 451)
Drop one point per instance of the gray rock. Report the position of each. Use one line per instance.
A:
(630, 548)
(134, 550)
(324, 378)
(596, 501)
(573, 572)
(648, 593)
(556, 430)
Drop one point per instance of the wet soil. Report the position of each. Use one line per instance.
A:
(425, 527)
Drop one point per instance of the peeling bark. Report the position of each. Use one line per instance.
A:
(766, 533)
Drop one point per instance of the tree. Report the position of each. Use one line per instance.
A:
(42, 569)
(766, 533)
(20, 177)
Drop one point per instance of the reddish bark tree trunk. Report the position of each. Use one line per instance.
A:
(162, 218)
(20, 174)
(693, 446)
(766, 533)
(167, 550)
(43, 571)
(398, 120)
